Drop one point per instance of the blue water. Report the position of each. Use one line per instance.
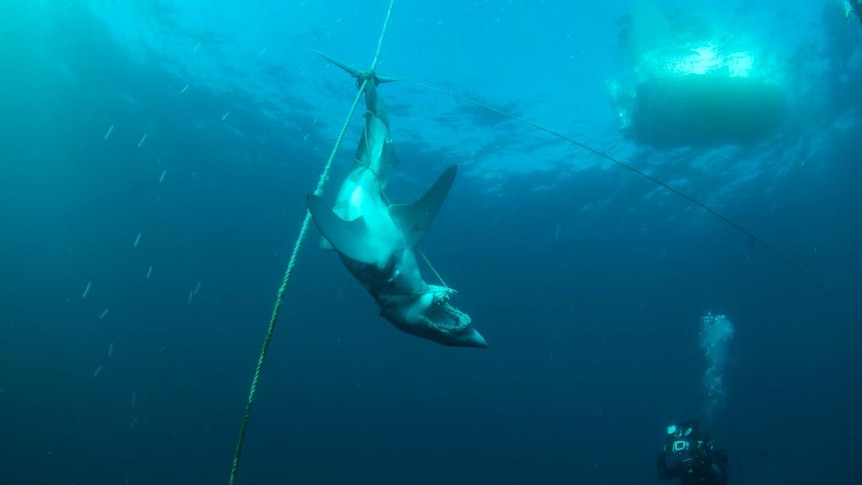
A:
(588, 281)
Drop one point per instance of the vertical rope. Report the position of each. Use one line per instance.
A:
(303, 232)
(382, 35)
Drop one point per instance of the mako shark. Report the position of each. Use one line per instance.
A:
(377, 240)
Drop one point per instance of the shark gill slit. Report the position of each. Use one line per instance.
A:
(303, 232)
(833, 297)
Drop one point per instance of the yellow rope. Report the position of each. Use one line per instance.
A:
(303, 232)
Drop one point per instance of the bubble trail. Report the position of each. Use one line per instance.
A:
(716, 333)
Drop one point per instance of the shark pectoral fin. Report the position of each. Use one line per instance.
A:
(324, 244)
(414, 219)
(347, 237)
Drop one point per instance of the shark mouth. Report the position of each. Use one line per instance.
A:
(445, 317)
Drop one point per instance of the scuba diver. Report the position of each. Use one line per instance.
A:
(690, 457)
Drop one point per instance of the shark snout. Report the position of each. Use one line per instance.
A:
(470, 338)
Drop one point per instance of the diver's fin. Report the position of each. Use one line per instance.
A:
(414, 219)
(355, 72)
(347, 237)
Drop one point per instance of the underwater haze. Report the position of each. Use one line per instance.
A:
(156, 157)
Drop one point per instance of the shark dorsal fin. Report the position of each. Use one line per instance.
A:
(414, 219)
(347, 237)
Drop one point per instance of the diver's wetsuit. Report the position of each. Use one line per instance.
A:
(711, 470)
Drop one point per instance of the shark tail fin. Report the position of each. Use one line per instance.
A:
(415, 219)
(355, 72)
